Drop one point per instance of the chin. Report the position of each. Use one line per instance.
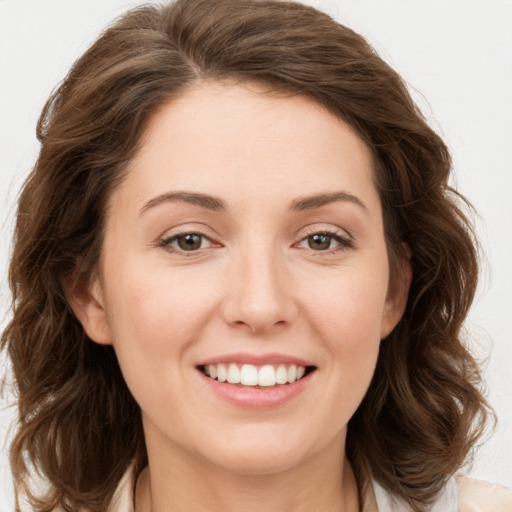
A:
(257, 462)
(263, 455)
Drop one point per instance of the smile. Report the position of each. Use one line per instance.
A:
(252, 375)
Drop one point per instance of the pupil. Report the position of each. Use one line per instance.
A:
(319, 241)
(189, 242)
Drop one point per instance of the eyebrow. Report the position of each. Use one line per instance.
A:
(218, 205)
(318, 200)
(205, 201)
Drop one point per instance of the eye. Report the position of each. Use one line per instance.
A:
(325, 241)
(186, 242)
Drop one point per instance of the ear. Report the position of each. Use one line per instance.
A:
(86, 298)
(398, 292)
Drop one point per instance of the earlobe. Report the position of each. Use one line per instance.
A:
(87, 302)
(398, 292)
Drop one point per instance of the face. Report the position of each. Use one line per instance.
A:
(246, 242)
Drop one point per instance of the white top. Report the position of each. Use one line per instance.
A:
(461, 494)
(447, 501)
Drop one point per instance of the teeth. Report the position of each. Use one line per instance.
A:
(282, 374)
(250, 375)
(292, 374)
(233, 374)
(267, 376)
(222, 374)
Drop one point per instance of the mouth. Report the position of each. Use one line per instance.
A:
(262, 376)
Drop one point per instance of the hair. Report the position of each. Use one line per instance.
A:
(79, 427)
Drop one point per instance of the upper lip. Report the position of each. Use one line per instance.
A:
(256, 359)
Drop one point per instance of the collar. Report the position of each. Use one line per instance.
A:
(375, 497)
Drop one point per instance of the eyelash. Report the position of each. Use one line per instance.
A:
(344, 242)
(166, 243)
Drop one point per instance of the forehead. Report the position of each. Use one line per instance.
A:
(217, 138)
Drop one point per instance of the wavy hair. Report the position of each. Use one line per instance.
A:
(79, 427)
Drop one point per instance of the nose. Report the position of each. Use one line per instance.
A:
(260, 296)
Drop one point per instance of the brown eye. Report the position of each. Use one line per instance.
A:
(326, 241)
(189, 242)
(192, 243)
(319, 241)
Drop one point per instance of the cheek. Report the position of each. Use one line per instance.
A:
(348, 318)
(149, 297)
(352, 304)
(155, 316)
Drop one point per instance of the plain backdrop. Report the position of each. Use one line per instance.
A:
(456, 55)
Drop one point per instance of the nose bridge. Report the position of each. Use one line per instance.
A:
(259, 297)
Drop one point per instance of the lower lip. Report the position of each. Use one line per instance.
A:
(253, 397)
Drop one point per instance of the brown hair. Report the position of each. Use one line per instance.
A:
(79, 427)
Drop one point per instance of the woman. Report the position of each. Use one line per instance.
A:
(239, 277)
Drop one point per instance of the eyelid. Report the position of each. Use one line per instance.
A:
(167, 239)
(189, 227)
(345, 240)
(327, 229)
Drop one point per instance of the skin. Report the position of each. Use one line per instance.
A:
(256, 285)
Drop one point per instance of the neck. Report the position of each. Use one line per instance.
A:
(322, 483)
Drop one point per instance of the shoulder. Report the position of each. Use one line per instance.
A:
(480, 496)
(460, 494)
